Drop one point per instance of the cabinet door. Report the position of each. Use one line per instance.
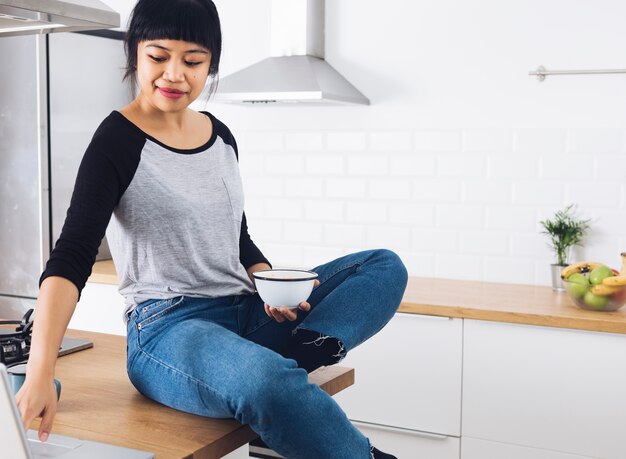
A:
(405, 444)
(474, 448)
(239, 453)
(547, 388)
(100, 309)
(408, 375)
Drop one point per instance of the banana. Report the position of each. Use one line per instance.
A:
(582, 267)
(605, 290)
(614, 281)
(620, 279)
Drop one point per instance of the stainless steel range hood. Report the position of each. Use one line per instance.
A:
(29, 17)
(296, 70)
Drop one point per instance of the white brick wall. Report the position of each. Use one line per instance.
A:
(594, 194)
(366, 212)
(453, 203)
(372, 165)
(610, 167)
(304, 187)
(438, 141)
(595, 141)
(390, 141)
(303, 141)
(512, 165)
(488, 140)
(389, 188)
(347, 141)
(344, 235)
(414, 165)
(534, 191)
(576, 167)
(325, 164)
(461, 165)
(461, 150)
(540, 141)
(436, 190)
(486, 191)
(284, 165)
(346, 188)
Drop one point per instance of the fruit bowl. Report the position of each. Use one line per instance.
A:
(585, 295)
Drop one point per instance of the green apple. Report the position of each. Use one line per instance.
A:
(597, 275)
(596, 301)
(577, 285)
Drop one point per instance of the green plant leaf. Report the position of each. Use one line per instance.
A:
(565, 231)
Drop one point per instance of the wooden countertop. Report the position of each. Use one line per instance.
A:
(522, 304)
(99, 403)
(103, 272)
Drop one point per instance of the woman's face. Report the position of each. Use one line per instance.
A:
(171, 73)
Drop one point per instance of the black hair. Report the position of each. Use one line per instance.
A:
(195, 21)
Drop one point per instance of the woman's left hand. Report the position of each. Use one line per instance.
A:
(281, 313)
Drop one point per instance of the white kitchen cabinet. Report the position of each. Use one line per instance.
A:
(408, 376)
(239, 453)
(474, 448)
(546, 388)
(100, 309)
(406, 444)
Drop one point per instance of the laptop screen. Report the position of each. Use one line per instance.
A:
(12, 437)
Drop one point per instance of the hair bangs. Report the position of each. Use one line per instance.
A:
(194, 21)
(186, 24)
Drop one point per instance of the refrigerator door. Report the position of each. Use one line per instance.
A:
(24, 225)
(85, 86)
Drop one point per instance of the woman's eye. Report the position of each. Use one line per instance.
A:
(192, 64)
(157, 59)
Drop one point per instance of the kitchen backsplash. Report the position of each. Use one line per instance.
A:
(459, 203)
(460, 153)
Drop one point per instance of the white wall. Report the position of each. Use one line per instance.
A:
(461, 152)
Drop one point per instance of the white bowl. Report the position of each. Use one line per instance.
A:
(284, 287)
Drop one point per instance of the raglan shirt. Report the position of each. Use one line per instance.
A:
(175, 218)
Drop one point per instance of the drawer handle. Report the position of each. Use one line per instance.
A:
(422, 316)
(384, 428)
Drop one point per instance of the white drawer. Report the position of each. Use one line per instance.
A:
(408, 375)
(474, 448)
(100, 309)
(239, 453)
(546, 388)
(406, 445)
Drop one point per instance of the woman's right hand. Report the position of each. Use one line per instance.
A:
(38, 398)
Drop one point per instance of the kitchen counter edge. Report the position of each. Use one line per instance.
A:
(512, 303)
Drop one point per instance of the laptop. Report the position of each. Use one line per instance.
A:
(17, 444)
(70, 345)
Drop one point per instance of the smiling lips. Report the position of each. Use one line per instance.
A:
(171, 93)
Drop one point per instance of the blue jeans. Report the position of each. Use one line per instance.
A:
(219, 357)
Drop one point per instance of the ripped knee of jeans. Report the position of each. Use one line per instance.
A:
(322, 340)
(312, 349)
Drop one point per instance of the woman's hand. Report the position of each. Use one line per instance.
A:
(280, 314)
(38, 398)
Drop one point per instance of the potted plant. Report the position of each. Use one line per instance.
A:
(565, 231)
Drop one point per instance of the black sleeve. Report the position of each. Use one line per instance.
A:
(103, 176)
(249, 253)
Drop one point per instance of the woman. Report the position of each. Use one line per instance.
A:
(199, 338)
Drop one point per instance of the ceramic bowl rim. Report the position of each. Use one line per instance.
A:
(259, 275)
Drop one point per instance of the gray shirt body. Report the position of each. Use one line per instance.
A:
(176, 224)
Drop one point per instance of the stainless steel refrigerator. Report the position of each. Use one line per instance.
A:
(54, 92)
